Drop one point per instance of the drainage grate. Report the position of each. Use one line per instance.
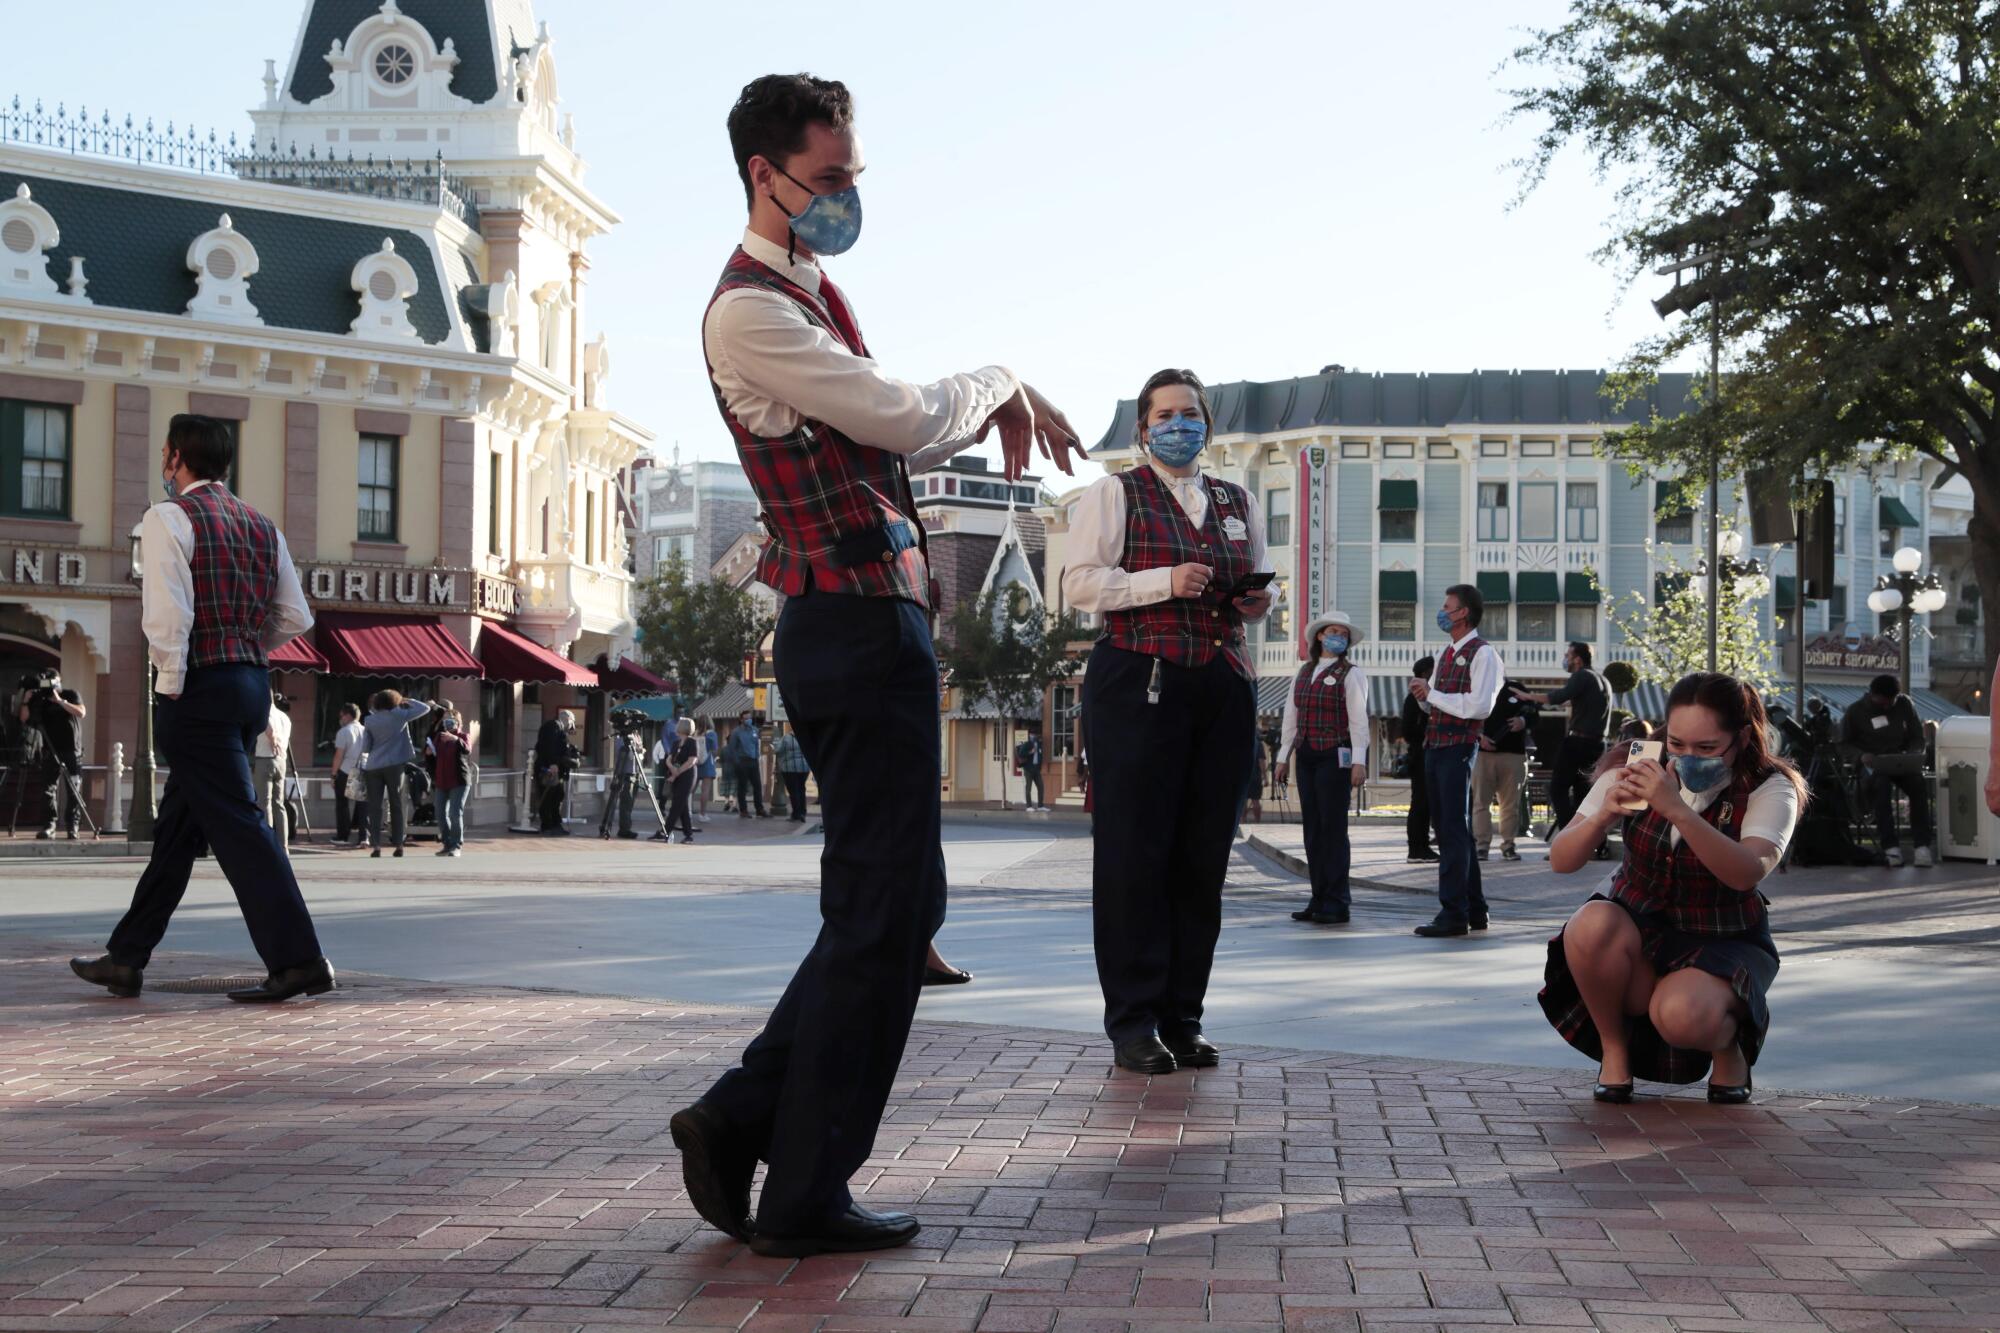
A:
(202, 985)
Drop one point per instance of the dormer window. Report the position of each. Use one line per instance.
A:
(223, 262)
(395, 64)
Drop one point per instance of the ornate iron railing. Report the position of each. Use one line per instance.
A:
(61, 130)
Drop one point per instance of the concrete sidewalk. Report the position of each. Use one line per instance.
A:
(403, 1156)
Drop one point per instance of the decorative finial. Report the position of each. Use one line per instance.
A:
(226, 224)
(22, 192)
(388, 245)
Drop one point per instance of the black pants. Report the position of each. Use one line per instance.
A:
(749, 786)
(62, 786)
(1166, 779)
(620, 797)
(1417, 825)
(1326, 786)
(859, 679)
(1448, 770)
(1033, 793)
(343, 808)
(1576, 759)
(678, 815)
(208, 736)
(549, 804)
(795, 792)
(1911, 786)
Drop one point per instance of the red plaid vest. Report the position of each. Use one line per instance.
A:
(1187, 631)
(816, 486)
(1454, 676)
(1659, 877)
(1322, 706)
(235, 568)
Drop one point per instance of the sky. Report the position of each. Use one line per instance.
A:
(1084, 192)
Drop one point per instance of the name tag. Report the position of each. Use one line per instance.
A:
(1878, 721)
(1346, 756)
(1234, 528)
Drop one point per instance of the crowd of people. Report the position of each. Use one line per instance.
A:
(1665, 976)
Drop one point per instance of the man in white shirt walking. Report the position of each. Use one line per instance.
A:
(1458, 696)
(349, 749)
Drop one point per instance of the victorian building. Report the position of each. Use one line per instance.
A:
(387, 294)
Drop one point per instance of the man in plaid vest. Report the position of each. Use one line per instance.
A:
(828, 441)
(220, 593)
(1459, 696)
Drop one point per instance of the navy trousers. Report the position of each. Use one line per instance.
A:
(1326, 787)
(1448, 774)
(860, 684)
(1167, 780)
(208, 736)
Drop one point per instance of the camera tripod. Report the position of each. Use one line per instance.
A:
(73, 784)
(652, 799)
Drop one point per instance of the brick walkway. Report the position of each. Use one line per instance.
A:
(405, 1157)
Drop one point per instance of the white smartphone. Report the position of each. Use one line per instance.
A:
(1642, 750)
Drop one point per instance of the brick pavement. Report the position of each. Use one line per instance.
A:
(403, 1156)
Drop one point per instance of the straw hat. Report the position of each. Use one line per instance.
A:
(1355, 634)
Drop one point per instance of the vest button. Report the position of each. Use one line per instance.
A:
(888, 557)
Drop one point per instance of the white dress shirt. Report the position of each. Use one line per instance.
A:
(1487, 678)
(166, 546)
(1094, 580)
(1357, 712)
(276, 741)
(1771, 812)
(774, 366)
(348, 744)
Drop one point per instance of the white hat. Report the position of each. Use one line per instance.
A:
(1355, 634)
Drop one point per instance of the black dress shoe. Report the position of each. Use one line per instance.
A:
(1442, 928)
(120, 980)
(1509, 854)
(1304, 914)
(1332, 916)
(1422, 856)
(1477, 922)
(1145, 1055)
(1730, 1094)
(1616, 1093)
(715, 1170)
(314, 978)
(1196, 1052)
(945, 976)
(854, 1230)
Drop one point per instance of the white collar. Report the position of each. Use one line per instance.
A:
(801, 271)
(1174, 482)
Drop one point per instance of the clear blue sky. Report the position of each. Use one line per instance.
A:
(1083, 191)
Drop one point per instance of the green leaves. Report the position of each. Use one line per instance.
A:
(1005, 649)
(696, 630)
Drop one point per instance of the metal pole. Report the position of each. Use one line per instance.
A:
(1714, 479)
(1904, 643)
(145, 808)
(1799, 601)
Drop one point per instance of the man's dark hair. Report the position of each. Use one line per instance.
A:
(771, 114)
(1424, 666)
(1886, 686)
(1582, 651)
(1469, 598)
(1160, 379)
(207, 446)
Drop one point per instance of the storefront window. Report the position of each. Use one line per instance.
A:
(1535, 624)
(34, 460)
(495, 719)
(376, 495)
(1399, 622)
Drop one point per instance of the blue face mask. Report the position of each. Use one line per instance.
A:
(1176, 443)
(1335, 644)
(1700, 773)
(1444, 622)
(829, 223)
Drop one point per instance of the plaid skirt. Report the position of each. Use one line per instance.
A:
(1748, 962)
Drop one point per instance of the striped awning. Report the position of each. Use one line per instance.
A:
(1647, 699)
(729, 701)
(1931, 706)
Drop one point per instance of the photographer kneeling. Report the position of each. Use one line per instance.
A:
(53, 713)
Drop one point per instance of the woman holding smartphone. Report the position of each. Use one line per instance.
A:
(1667, 976)
(1167, 556)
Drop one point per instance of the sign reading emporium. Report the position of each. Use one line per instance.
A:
(460, 590)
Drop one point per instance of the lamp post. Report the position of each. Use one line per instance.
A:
(1746, 577)
(1907, 595)
(145, 809)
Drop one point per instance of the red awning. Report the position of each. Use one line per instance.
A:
(631, 678)
(298, 655)
(509, 656)
(376, 645)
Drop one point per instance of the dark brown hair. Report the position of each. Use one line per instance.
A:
(1738, 708)
(1160, 380)
(771, 114)
(205, 445)
(383, 699)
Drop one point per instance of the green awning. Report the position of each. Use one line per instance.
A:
(1537, 588)
(1493, 586)
(1896, 514)
(1580, 590)
(1399, 495)
(1397, 585)
(1788, 592)
(1664, 505)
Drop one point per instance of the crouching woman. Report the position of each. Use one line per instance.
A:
(1667, 976)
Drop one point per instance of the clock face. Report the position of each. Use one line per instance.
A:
(395, 64)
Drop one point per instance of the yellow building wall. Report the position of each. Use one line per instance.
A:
(92, 423)
(261, 467)
(418, 464)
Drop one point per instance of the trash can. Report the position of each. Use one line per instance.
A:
(1967, 830)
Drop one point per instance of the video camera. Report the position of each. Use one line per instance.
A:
(628, 721)
(39, 687)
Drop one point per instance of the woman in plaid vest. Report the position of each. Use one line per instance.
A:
(1667, 975)
(1326, 730)
(1169, 719)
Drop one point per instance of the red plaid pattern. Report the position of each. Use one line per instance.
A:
(816, 485)
(1454, 676)
(1187, 631)
(235, 568)
(1659, 878)
(1322, 707)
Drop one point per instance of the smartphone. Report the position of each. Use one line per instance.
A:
(1642, 750)
(1249, 583)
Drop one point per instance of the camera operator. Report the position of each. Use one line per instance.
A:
(52, 714)
(627, 772)
(555, 758)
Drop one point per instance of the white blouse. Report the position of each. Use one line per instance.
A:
(1771, 813)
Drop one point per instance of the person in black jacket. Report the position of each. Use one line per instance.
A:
(554, 758)
(1882, 724)
(1589, 700)
(1500, 770)
(1415, 721)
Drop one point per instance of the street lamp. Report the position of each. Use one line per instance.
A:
(145, 808)
(1746, 577)
(1907, 595)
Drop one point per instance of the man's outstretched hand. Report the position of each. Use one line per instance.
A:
(1028, 420)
